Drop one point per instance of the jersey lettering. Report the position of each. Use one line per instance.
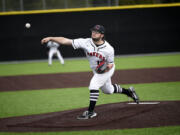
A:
(98, 55)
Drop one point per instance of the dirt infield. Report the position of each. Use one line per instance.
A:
(110, 116)
(72, 80)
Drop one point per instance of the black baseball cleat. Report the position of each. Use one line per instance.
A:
(87, 115)
(133, 94)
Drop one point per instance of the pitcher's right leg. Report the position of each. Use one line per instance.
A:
(130, 92)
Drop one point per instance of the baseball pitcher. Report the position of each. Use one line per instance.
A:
(101, 58)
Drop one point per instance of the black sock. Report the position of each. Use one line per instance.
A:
(92, 106)
(118, 89)
(125, 91)
(94, 94)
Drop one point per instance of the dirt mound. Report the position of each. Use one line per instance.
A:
(110, 116)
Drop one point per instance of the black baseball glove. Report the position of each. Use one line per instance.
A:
(101, 67)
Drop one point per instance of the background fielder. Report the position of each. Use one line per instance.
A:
(53, 51)
(97, 50)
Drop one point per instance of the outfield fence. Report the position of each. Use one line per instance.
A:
(26, 5)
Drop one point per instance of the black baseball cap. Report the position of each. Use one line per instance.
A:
(98, 28)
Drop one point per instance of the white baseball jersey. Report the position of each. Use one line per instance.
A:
(52, 44)
(94, 53)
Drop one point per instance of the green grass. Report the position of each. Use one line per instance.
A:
(132, 62)
(43, 101)
(42, 67)
(171, 130)
(148, 61)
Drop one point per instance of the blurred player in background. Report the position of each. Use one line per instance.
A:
(53, 50)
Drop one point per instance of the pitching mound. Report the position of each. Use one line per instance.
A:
(110, 116)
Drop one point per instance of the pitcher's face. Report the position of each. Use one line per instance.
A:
(96, 36)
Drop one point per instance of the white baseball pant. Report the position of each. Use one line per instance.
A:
(59, 56)
(102, 81)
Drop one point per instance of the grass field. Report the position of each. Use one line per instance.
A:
(51, 100)
(82, 65)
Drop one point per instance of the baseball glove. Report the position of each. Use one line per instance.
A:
(101, 68)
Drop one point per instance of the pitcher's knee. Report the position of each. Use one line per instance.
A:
(107, 91)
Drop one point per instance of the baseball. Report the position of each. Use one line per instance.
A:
(28, 25)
